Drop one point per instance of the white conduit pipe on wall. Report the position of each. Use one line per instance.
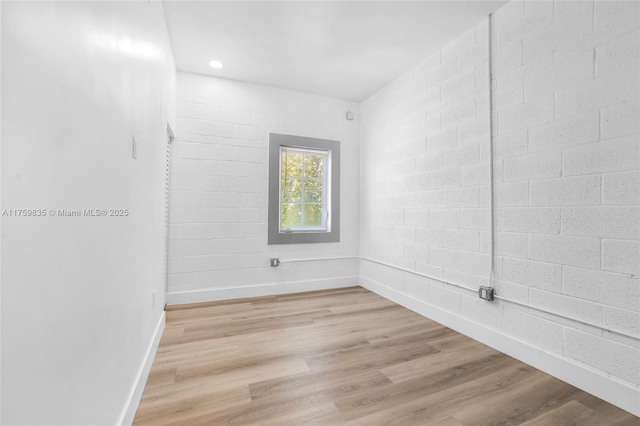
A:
(491, 212)
(318, 259)
(491, 248)
(506, 299)
(472, 290)
(600, 327)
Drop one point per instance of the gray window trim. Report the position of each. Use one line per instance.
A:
(276, 141)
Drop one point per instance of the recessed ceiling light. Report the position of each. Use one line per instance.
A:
(215, 64)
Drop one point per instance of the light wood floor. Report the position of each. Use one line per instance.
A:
(345, 357)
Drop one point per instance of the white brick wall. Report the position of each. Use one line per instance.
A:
(566, 175)
(586, 59)
(607, 156)
(621, 256)
(574, 130)
(533, 274)
(621, 189)
(536, 220)
(437, 117)
(577, 251)
(571, 191)
(614, 358)
(540, 332)
(620, 120)
(218, 186)
(546, 164)
(603, 287)
(620, 319)
(606, 222)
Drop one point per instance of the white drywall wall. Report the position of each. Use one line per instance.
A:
(80, 80)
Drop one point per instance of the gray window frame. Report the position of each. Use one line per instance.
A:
(275, 236)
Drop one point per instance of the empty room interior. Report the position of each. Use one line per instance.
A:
(320, 212)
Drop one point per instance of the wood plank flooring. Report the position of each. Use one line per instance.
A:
(345, 357)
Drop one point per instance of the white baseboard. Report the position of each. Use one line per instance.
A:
(270, 289)
(616, 392)
(129, 412)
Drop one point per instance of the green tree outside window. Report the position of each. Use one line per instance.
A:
(302, 182)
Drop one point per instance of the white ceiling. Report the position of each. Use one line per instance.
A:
(341, 49)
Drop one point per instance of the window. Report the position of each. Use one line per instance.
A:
(304, 195)
(303, 181)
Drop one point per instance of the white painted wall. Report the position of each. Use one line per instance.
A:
(425, 162)
(218, 234)
(79, 81)
(566, 179)
(0, 219)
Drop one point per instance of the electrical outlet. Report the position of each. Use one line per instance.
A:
(486, 293)
(275, 261)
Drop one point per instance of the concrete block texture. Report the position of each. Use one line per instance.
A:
(574, 130)
(614, 289)
(616, 359)
(571, 307)
(536, 220)
(539, 165)
(605, 222)
(575, 251)
(621, 256)
(621, 188)
(621, 320)
(566, 176)
(219, 182)
(542, 333)
(620, 119)
(605, 90)
(546, 276)
(612, 155)
(572, 191)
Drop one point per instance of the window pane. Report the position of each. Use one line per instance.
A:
(313, 215)
(313, 165)
(291, 190)
(291, 163)
(304, 182)
(291, 215)
(313, 191)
